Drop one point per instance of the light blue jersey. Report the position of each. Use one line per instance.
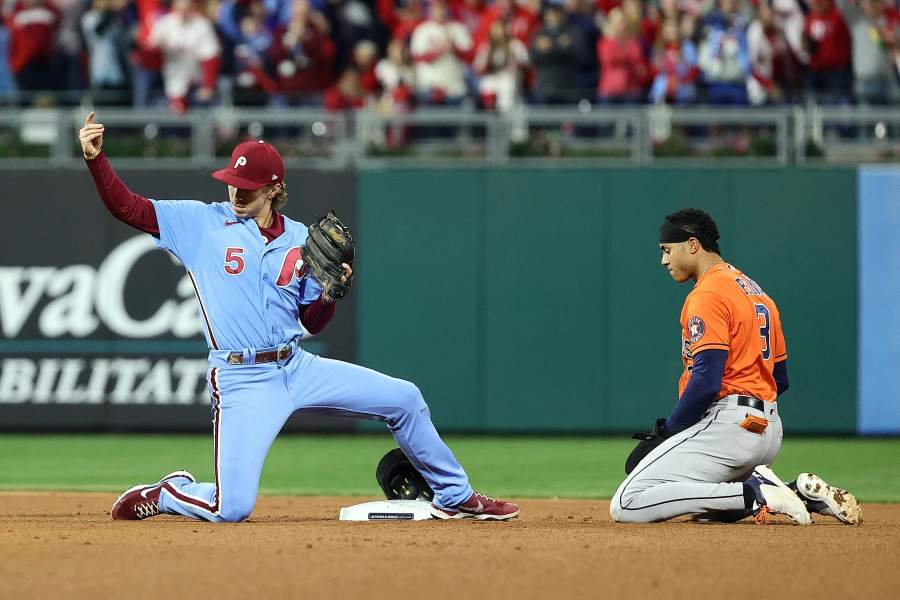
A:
(249, 297)
(248, 292)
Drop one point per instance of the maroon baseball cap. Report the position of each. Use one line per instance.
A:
(254, 165)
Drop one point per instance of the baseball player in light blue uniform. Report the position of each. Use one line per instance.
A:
(250, 297)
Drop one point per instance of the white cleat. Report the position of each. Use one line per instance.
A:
(779, 498)
(829, 500)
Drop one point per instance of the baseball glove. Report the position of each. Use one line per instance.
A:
(648, 441)
(329, 244)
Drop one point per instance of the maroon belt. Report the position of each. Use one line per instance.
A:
(282, 353)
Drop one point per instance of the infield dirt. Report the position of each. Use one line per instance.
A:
(64, 545)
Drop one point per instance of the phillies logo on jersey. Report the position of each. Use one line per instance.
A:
(696, 328)
(291, 266)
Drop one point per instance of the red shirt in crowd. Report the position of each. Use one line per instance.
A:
(521, 23)
(892, 23)
(314, 72)
(32, 25)
(336, 101)
(829, 39)
(604, 6)
(622, 67)
(148, 12)
(400, 16)
(468, 12)
(368, 80)
(668, 60)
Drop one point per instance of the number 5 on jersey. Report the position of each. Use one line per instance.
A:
(234, 263)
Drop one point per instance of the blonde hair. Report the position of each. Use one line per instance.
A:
(279, 200)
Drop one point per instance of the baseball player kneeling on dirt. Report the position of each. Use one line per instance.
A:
(709, 457)
(258, 276)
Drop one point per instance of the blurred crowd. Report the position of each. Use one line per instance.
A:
(495, 54)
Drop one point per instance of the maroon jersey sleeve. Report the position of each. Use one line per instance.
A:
(316, 316)
(128, 207)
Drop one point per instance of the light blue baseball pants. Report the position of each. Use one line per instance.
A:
(250, 404)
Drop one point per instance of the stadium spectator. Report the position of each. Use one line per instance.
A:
(723, 58)
(190, 54)
(623, 70)
(278, 12)
(469, 13)
(827, 41)
(69, 49)
(146, 61)
(789, 19)
(639, 24)
(675, 63)
(582, 20)
(522, 18)
(282, 52)
(436, 47)
(396, 77)
(554, 54)
(365, 57)
(304, 56)
(32, 27)
(228, 18)
(773, 64)
(108, 28)
(351, 22)
(500, 63)
(665, 10)
(687, 27)
(874, 46)
(400, 17)
(347, 93)
(253, 84)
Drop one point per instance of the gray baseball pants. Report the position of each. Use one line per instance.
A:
(700, 469)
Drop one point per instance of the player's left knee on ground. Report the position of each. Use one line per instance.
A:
(237, 509)
(615, 509)
(620, 515)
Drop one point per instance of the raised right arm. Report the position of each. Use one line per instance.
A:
(126, 206)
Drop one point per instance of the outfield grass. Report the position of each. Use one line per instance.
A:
(522, 467)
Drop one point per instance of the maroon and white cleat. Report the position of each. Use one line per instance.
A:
(478, 507)
(142, 501)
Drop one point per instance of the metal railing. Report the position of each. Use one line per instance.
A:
(589, 136)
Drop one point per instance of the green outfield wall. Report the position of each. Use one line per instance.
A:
(518, 300)
(526, 300)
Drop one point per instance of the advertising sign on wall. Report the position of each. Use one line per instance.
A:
(98, 328)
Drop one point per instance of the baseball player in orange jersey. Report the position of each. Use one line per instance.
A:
(709, 457)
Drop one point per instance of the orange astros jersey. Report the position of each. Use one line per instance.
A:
(727, 310)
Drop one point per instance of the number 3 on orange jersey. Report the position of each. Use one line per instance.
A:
(763, 311)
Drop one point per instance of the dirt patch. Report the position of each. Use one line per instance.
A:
(54, 545)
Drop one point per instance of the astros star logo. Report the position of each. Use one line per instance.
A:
(696, 328)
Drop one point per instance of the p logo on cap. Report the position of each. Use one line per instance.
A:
(254, 165)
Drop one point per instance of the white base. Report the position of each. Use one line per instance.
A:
(388, 510)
